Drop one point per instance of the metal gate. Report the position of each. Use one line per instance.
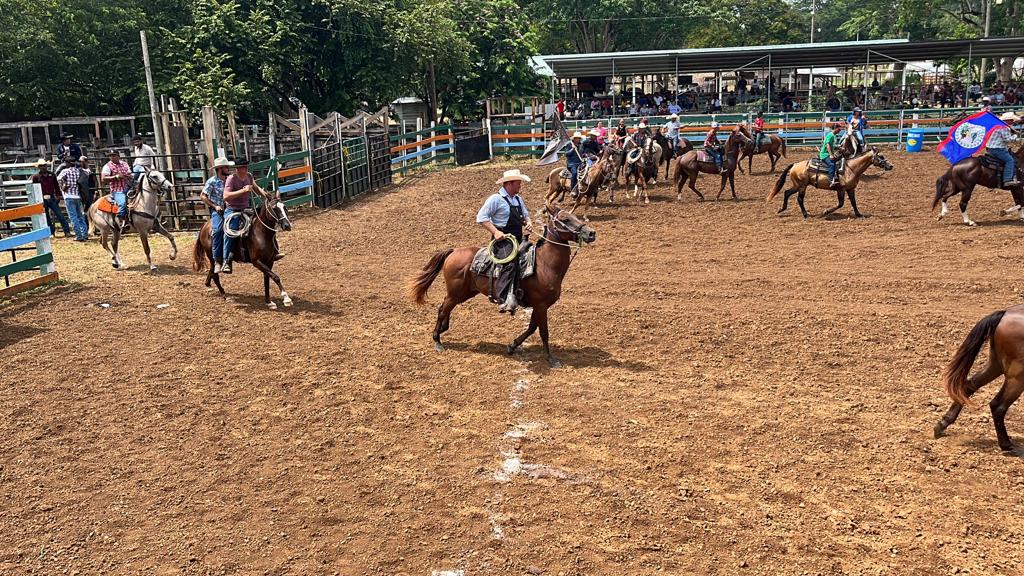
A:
(357, 171)
(329, 184)
(472, 146)
(380, 159)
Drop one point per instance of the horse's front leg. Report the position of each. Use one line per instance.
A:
(725, 179)
(144, 238)
(268, 275)
(540, 316)
(840, 200)
(526, 334)
(159, 227)
(115, 259)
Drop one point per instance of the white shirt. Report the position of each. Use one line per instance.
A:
(143, 155)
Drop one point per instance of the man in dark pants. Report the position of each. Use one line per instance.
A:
(504, 214)
(51, 198)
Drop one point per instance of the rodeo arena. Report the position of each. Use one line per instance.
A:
(694, 311)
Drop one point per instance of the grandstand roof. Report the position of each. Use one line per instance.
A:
(836, 54)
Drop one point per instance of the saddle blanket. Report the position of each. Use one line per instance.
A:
(991, 161)
(107, 204)
(483, 266)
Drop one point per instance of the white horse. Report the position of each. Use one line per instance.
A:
(143, 214)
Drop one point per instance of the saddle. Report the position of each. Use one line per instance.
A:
(483, 266)
(107, 204)
(989, 161)
(818, 165)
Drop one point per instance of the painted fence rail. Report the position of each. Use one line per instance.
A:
(290, 175)
(431, 145)
(28, 224)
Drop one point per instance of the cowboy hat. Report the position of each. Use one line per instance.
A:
(577, 134)
(113, 152)
(41, 162)
(513, 175)
(1009, 116)
(673, 116)
(642, 125)
(222, 163)
(715, 125)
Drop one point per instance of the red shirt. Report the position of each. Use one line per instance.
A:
(47, 181)
(758, 124)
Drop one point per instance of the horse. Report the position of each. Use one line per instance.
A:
(802, 176)
(962, 177)
(595, 177)
(1004, 331)
(643, 168)
(143, 216)
(694, 162)
(775, 147)
(668, 153)
(261, 244)
(542, 289)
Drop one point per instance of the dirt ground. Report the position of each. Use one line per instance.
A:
(744, 393)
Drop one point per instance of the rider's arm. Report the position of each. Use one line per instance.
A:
(205, 197)
(483, 218)
(497, 234)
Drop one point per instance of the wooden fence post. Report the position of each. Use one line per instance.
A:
(35, 196)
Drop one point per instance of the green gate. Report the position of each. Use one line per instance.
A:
(357, 171)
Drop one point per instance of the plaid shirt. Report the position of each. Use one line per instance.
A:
(68, 181)
(214, 190)
(1002, 137)
(111, 169)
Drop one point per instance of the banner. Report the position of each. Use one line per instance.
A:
(969, 135)
(560, 138)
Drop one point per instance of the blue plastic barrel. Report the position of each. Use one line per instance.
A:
(915, 139)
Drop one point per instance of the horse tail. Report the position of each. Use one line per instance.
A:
(783, 149)
(954, 378)
(199, 255)
(419, 285)
(780, 183)
(940, 189)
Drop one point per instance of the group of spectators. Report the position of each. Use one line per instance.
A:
(72, 181)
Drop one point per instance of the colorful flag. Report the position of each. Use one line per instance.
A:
(559, 139)
(969, 135)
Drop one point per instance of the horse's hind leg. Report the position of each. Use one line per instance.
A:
(853, 204)
(1007, 395)
(965, 198)
(990, 372)
(444, 317)
(693, 186)
(785, 199)
(115, 240)
(800, 201)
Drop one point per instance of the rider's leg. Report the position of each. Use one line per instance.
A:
(229, 242)
(573, 177)
(1008, 163)
(217, 238)
(831, 169)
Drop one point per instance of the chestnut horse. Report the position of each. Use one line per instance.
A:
(643, 167)
(542, 289)
(774, 146)
(597, 174)
(801, 177)
(962, 177)
(1004, 331)
(691, 163)
(668, 153)
(261, 244)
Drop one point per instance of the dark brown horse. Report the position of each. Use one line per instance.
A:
(962, 177)
(774, 146)
(642, 166)
(1004, 331)
(542, 289)
(599, 173)
(261, 244)
(694, 162)
(668, 153)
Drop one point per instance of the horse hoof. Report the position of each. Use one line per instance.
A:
(287, 302)
(271, 305)
(152, 268)
(438, 347)
(555, 362)
(647, 200)
(173, 255)
(939, 430)
(510, 349)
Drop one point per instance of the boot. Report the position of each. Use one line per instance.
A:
(1011, 183)
(217, 267)
(226, 268)
(510, 304)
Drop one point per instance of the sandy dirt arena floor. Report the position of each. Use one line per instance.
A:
(744, 393)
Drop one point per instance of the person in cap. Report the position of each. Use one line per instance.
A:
(986, 104)
(51, 201)
(142, 158)
(856, 123)
(505, 214)
(830, 152)
(672, 130)
(116, 174)
(68, 149)
(68, 182)
(238, 190)
(999, 146)
(712, 146)
(643, 132)
(758, 130)
(573, 159)
(213, 196)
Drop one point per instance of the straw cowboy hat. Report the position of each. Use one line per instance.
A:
(222, 163)
(1009, 116)
(642, 125)
(512, 175)
(577, 134)
(41, 162)
(673, 117)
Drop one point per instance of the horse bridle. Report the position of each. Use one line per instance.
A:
(558, 225)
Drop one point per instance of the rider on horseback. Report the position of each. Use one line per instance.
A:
(504, 214)
(213, 196)
(856, 124)
(573, 159)
(672, 130)
(830, 152)
(238, 191)
(758, 130)
(712, 146)
(591, 148)
(116, 174)
(998, 146)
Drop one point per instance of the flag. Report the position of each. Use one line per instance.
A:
(969, 135)
(559, 139)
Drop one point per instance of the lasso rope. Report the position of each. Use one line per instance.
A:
(229, 232)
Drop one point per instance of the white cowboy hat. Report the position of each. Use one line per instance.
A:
(714, 125)
(577, 134)
(512, 175)
(673, 117)
(222, 163)
(642, 125)
(41, 162)
(1009, 116)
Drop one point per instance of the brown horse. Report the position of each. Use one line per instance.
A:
(261, 244)
(542, 289)
(962, 177)
(642, 166)
(775, 147)
(668, 153)
(694, 162)
(802, 176)
(1004, 330)
(598, 173)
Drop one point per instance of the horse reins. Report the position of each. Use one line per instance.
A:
(559, 225)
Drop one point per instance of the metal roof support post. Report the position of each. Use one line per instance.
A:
(810, 85)
(768, 84)
(970, 73)
(614, 91)
(677, 79)
(720, 87)
(866, 92)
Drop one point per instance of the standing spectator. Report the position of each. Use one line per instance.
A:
(86, 185)
(560, 108)
(68, 182)
(66, 149)
(607, 105)
(117, 175)
(143, 155)
(51, 203)
(833, 104)
(755, 86)
(601, 133)
(741, 87)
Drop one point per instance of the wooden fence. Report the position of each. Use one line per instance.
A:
(291, 175)
(421, 148)
(27, 223)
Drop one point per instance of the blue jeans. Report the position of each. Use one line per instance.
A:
(52, 207)
(831, 167)
(121, 199)
(715, 155)
(860, 138)
(217, 235)
(236, 224)
(574, 176)
(1010, 168)
(74, 208)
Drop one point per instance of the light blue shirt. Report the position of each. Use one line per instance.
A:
(495, 210)
(672, 129)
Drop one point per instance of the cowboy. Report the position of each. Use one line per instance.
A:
(238, 189)
(672, 130)
(856, 124)
(573, 159)
(213, 196)
(642, 133)
(116, 174)
(830, 152)
(66, 149)
(143, 155)
(51, 204)
(504, 214)
(986, 104)
(998, 146)
(712, 146)
(591, 147)
(758, 130)
(68, 182)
